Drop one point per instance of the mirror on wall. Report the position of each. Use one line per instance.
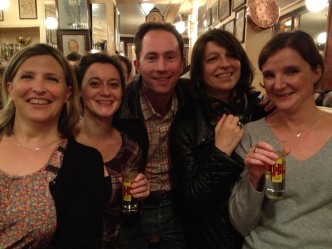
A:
(314, 23)
(99, 27)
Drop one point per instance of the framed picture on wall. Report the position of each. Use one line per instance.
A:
(240, 24)
(214, 10)
(27, 9)
(1, 15)
(237, 4)
(208, 17)
(224, 9)
(74, 41)
(229, 26)
(73, 14)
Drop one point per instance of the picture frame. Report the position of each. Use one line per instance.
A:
(208, 17)
(27, 9)
(230, 26)
(237, 4)
(214, 14)
(82, 37)
(240, 24)
(224, 9)
(73, 14)
(1, 15)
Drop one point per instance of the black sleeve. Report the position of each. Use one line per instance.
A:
(201, 173)
(79, 194)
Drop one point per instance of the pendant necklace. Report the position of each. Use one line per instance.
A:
(299, 134)
(35, 148)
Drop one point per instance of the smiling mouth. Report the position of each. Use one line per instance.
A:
(39, 101)
(224, 75)
(285, 95)
(106, 102)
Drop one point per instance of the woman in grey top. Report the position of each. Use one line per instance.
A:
(291, 67)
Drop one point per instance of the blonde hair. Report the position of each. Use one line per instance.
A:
(70, 112)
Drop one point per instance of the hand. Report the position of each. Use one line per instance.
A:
(140, 189)
(256, 159)
(269, 105)
(228, 133)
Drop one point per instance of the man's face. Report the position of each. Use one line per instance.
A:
(160, 62)
(73, 46)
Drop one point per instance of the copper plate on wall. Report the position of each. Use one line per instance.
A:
(263, 14)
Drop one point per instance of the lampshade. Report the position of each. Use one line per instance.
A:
(316, 5)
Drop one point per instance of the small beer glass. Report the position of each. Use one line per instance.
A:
(275, 174)
(129, 203)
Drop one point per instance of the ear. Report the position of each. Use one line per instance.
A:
(136, 63)
(10, 89)
(69, 92)
(317, 74)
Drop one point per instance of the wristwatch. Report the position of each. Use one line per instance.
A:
(154, 16)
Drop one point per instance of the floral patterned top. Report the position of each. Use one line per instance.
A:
(27, 209)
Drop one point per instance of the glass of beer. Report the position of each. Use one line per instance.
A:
(129, 203)
(275, 174)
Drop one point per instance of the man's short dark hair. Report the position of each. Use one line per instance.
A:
(73, 56)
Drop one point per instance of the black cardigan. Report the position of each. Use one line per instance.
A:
(79, 194)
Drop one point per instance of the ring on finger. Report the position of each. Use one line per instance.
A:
(239, 124)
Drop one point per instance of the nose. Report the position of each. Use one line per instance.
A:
(39, 86)
(105, 90)
(279, 81)
(161, 64)
(224, 62)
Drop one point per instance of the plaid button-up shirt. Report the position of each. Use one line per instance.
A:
(158, 163)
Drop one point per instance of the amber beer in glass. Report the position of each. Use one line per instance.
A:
(275, 174)
(129, 203)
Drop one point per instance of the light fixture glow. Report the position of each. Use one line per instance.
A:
(51, 23)
(288, 23)
(180, 26)
(4, 4)
(147, 7)
(316, 5)
(321, 38)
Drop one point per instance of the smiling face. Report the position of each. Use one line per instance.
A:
(39, 90)
(101, 91)
(221, 71)
(289, 80)
(160, 62)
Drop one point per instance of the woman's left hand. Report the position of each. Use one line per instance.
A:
(140, 189)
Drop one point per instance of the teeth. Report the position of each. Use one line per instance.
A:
(105, 101)
(225, 75)
(38, 101)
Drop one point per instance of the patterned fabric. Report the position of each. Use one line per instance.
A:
(129, 153)
(214, 108)
(157, 168)
(27, 209)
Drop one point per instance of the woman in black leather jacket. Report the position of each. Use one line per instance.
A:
(204, 135)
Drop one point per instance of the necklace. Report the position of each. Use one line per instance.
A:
(35, 148)
(299, 133)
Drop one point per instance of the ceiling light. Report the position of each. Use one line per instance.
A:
(146, 7)
(4, 4)
(180, 26)
(316, 5)
(51, 22)
(321, 38)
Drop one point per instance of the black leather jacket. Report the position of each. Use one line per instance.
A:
(203, 176)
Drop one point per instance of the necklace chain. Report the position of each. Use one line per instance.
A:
(35, 148)
(299, 133)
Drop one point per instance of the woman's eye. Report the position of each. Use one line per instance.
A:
(268, 75)
(114, 85)
(26, 76)
(209, 59)
(54, 79)
(94, 84)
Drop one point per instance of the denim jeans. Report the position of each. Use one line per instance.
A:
(156, 219)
